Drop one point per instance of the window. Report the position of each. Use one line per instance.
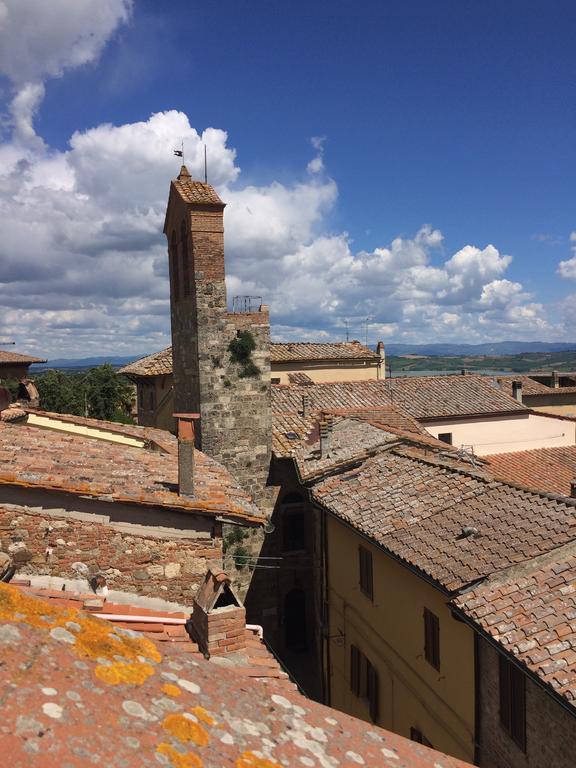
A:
(141, 396)
(418, 736)
(275, 380)
(293, 523)
(513, 702)
(185, 259)
(432, 638)
(366, 581)
(364, 681)
(445, 437)
(152, 398)
(174, 266)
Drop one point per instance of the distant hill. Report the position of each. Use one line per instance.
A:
(84, 362)
(491, 349)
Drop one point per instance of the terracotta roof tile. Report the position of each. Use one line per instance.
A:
(59, 460)
(300, 350)
(416, 504)
(545, 469)
(529, 386)
(157, 364)
(195, 192)
(101, 692)
(422, 397)
(9, 358)
(530, 611)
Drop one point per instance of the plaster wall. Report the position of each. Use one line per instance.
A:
(323, 372)
(506, 434)
(389, 631)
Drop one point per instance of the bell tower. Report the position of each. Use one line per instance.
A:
(221, 359)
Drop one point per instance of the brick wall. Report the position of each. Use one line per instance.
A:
(236, 424)
(49, 543)
(221, 631)
(550, 729)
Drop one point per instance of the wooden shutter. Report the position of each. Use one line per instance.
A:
(432, 638)
(355, 670)
(366, 579)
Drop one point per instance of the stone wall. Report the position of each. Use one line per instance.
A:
(49, 542)
(235, 424)
(550, 729)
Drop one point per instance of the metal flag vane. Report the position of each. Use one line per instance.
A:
(180, 152)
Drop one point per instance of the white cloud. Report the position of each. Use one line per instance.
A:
(567, 269)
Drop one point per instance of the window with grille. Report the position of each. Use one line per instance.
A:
(513, 702)
(432, 638)
(366, 579)
(364, 681)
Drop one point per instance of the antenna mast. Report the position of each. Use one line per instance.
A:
(205, 166)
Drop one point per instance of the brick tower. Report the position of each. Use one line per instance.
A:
(229, 386)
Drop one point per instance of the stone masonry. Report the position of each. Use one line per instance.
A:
(550, 728)
(235, 415)
(42, 543)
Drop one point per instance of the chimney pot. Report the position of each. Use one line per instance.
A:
(517, 390)
(326, 426)
(305, 406)
(555, 379)
(382, 364)
(186, 441)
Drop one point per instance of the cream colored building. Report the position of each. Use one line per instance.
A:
(299, 363)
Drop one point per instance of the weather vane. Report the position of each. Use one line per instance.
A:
(180, 152)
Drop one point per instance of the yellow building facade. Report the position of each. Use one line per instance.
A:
(388, 632)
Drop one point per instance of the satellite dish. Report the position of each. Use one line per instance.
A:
(5, 398)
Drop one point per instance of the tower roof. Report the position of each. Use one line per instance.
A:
(195, 191)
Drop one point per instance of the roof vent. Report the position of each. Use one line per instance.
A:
(468, 532)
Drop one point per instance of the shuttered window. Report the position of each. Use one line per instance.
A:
(432, 638)
(364, 681)
(366, 581)
(513, 702)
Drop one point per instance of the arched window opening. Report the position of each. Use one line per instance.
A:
(185, 259)
(293, 523)
(174, 266)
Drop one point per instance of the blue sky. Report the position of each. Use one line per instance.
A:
(409, 162)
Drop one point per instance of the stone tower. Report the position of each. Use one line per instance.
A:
(214, 374)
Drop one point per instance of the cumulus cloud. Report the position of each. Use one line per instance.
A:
(83, 266)
(567, 269)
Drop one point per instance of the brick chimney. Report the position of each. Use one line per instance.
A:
(517, 390)
(305, 406)
(326, 426)
(186, 452)
(218, 622)
(381, 374)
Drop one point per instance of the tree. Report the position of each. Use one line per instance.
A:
(108, 394)
(60, 392)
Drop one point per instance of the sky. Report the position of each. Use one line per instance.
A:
(397, 168)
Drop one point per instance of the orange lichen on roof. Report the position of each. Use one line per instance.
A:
(58, 712)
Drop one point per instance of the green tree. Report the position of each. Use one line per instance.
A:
(61, 392)
(108, 394)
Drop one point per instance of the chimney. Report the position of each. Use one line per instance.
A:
(218, 621)
(573, 489)
(382, 364)
(517, 390)
(555, 380)
(326, 426)
(499, 383)
(186, 452)
(305, 406)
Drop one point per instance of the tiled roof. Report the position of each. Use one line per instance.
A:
(78, 688)
(11, 358)
(416, 503)
(160, 363)
(529, 386)
(423, 397)
(544, 469)
(49, 459)
(530, 612)
(195, 191)
(161, 626)
(300, 350)
(156, 364)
